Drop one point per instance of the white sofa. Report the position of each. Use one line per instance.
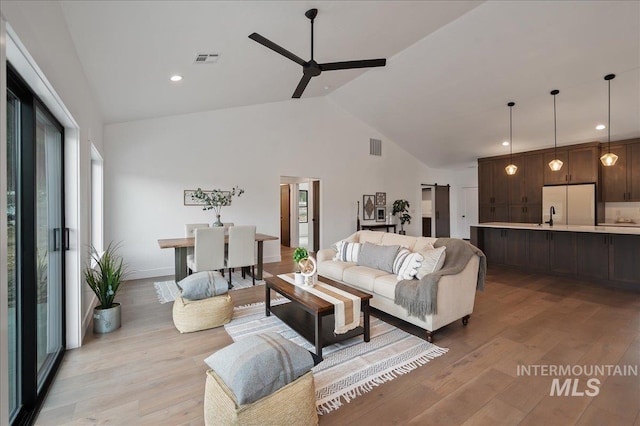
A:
(456, 293)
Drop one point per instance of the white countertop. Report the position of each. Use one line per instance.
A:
(607, 229)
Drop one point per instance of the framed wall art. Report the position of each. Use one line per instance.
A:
(381, 198)
(368, 207)
(189, 200)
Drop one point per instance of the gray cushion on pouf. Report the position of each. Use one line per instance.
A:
(378, 257)
(203, 285)
(259, 365)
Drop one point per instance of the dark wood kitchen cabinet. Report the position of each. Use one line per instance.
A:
(611, 259)
(621, 182)
(493, 190)
(525, 189)
(624, 259)
(581, 165)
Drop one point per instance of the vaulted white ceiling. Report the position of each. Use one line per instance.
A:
(452, 66)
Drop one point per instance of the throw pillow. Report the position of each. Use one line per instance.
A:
(203, 285)
(347, 252)
(378, 257)
(259, 365)
(433, 261)
(406, 264)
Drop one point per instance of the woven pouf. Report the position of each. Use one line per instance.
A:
(196, 315)
(293, 404)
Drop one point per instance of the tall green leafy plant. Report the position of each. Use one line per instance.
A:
(401, 209)
(105, 274)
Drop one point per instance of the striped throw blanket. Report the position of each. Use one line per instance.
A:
(346, 306)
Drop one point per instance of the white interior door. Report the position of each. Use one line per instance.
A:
(468, 210)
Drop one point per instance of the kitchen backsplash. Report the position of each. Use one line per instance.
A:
(622, 212)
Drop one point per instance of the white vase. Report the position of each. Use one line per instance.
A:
(299, 278)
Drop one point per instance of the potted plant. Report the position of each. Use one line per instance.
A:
(217, 199)
(401, 209)
(104, 275)
(299, 254)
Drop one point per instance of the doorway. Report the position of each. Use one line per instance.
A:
(468, 217)
(300, 212)
(436, 220)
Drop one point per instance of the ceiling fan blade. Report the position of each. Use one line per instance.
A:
(347, 65)
(278, 49)
(302, 85)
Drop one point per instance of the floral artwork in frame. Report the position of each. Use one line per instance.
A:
(368, 207)
(381, 198)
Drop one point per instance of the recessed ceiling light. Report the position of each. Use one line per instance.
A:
(505, 143)
(176, 77)
(601, 127)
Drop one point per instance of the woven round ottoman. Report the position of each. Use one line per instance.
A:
(196, 315)
(293, 404)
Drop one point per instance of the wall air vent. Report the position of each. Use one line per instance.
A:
(375, 147)
(206, 58)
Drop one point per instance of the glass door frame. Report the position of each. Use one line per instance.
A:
(31, 395)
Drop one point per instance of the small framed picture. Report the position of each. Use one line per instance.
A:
(381, 214)
(368, 207)
(381, 198)
(189, 199)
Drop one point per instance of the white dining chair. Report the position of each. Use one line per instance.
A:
(189, 232)
(241, 250)
(208, 253)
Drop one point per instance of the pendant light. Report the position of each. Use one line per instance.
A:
(609, 159)
(511, 168)
(555, 164)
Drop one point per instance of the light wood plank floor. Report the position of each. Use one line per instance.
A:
(148, 373)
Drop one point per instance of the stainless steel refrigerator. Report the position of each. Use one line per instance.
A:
(574, 204)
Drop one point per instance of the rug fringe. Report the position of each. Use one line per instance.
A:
(256, 304)
(379, 379)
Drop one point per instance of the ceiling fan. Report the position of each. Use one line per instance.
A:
(312, 68)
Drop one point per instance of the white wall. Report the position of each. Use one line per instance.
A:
(149, 163)
(42, 31)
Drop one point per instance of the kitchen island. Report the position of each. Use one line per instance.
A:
(608, 255)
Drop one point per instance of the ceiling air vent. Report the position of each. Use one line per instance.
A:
(375, 147)
(206, 58)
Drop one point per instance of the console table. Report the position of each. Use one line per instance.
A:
(379, 226)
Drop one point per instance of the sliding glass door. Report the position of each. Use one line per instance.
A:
(36, 247)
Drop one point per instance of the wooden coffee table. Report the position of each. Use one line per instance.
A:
(311, 316)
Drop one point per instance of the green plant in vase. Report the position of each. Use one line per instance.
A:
(215, 200)
(105, 275)
(300, 254)
(401, 210)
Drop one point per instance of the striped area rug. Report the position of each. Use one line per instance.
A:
(350, 368)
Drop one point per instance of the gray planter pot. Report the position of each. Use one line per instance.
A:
(106, 320)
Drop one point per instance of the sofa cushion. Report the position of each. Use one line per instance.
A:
(362, 277)
(378, 257)
(406, 264)
(405, 241)
(347, 252)
(203, 285)
(432, 261)
(258, 365)
(386, 286)
(423, 243)
(372, 237)
(334, 269)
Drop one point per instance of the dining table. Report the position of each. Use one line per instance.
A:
(180, 246)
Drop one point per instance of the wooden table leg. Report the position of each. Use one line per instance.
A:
(260, 260)
(267, 300)
(319, 336)
(367, 328)
(180, 254)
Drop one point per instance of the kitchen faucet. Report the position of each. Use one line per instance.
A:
(552, 211)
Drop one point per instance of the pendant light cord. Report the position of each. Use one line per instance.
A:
(510, 136)
(609, 122)
(555, 131)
